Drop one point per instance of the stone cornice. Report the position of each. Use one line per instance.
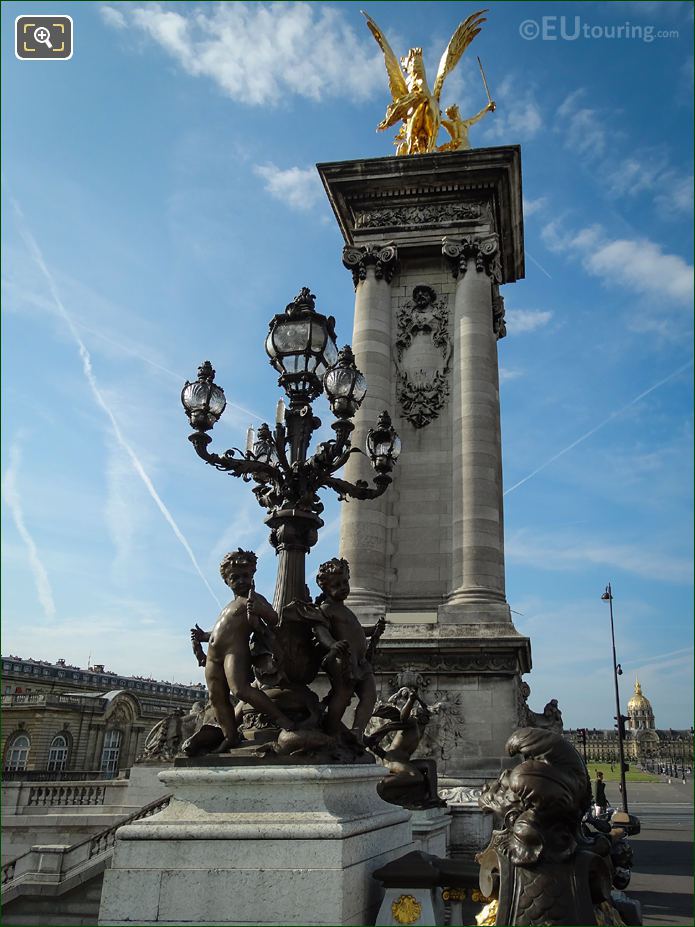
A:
(416, 200)
(452, 656)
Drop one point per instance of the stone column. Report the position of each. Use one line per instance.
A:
(477, 590)
(364, 536)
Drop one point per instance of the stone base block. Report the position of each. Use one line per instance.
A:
(431, 828)
(471, 827)
(269, 845)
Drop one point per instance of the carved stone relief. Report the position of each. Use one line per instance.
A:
(415, 215)
(444, 728)
(423, 390)
(499, 663)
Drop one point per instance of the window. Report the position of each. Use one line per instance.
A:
(110, 751)
(18, 753)
(58, 752)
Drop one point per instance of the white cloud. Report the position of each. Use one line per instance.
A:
(112, 16)
(560, 552)
(675, 194)
(520, 321)
(518, 114)
(506, 374)
(637, 264)
(533, 206)
(12, 498)
(651, 173)
(584, 132)
(641, 265)
(260, 53)
(297, 187)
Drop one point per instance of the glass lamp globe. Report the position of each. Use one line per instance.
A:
(203, 400)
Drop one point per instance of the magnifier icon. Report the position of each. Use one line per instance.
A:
(42, 35)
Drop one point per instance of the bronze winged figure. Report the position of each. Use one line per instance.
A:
(414, 104)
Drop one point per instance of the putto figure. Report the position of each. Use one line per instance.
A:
(241, 637)
(414, 104)
(348, 653)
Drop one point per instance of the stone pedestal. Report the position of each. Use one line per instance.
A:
(431, 827)
(275, 845)
(429, 239)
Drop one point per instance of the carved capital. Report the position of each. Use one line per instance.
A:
(383, 258)
(485, 251)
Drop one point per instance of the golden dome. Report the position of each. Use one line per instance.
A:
(638, 702)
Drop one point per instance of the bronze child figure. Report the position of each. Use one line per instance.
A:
(228, 665)
(347, 660)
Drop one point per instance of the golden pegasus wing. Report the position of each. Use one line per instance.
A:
(460, 40)
(397, 82)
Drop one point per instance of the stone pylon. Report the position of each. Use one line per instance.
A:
(429, 239)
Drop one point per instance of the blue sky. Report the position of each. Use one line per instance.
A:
(160, 205)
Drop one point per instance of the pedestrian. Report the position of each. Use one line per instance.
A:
(600, 800)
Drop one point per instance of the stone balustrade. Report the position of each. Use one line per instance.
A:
(56, 864)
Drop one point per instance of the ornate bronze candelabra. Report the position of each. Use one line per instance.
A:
(301, 346)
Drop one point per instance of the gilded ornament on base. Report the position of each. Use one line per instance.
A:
(406, 910)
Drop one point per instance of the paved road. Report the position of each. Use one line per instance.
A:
(662, 877)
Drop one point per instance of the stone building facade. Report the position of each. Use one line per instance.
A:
(645, 744)
(61, 721)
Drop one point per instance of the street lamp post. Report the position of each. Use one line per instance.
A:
(617, 671)
(302, 348)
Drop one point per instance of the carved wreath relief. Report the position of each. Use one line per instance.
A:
(422, 354)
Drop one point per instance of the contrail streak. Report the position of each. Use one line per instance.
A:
(43, 585)
(538, 265)
(661, 656)
(91, 379)
(171, 373)
(596, 428)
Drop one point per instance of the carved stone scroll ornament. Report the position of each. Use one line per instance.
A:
(461, 795)
(383, 258)
(422, 393)
(417, 216)
(484, 251)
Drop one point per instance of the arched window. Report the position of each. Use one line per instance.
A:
(58, 753)
(110, 751)
(17, 753)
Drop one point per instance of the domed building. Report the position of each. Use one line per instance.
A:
(639, 711)
(664, 750)
(642, 738)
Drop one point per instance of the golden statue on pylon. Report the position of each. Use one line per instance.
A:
(415, 105)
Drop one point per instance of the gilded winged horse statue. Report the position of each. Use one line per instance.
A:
(414, 104)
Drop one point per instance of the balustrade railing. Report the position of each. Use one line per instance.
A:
(49, 795)
(106, 838)
(86, 850)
